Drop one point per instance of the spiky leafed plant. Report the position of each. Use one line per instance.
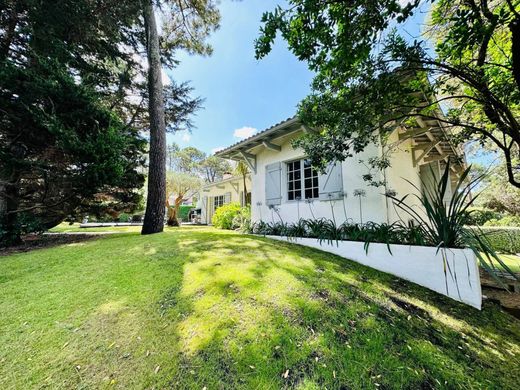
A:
(442, 223)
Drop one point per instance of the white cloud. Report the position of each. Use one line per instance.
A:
(217, 149)
(244, 132)
(186, 137)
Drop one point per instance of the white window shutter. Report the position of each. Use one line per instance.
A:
(227, 198)
(331, 182)
(204, 209)
(273, 184)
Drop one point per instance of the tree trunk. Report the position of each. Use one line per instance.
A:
(9, 232)
(155, 204)
(173, 212)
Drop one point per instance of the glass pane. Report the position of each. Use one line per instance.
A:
(308, 183)
(316, 193)
(315, 182)
(308, 194)
(297, 175)
(306, 163)
(298, 185)
(291, 176)
(291, 186)
(297, 194)
(296, 164)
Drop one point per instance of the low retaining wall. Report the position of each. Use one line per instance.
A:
(419, 264)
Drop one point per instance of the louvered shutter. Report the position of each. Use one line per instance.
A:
(227, 198)
(204, 210)
(273, 184)
(331, 182)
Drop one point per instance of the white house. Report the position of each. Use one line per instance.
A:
(285, 187)
(228, 190)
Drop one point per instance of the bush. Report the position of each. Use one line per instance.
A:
(509, 220)
(124, 217)
(229, 215)
(184, 212)
(503, 240)
(479, 216)
(136, 218)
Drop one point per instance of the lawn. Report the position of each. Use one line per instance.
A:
(512, 261)
(201, 308)
(74, 228)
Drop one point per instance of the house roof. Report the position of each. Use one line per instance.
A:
(284, 127)
(224, 181)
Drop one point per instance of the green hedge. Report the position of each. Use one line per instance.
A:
(478, 216)
(508, 220)
(184, 212)
(505, 240)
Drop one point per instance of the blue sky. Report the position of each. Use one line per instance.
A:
(242, 94)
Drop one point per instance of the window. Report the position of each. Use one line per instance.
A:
(298, 183)
(218, 201)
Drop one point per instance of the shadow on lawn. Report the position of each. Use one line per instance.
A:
(255, 313)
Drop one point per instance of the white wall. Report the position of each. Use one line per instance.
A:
(400, 177)
(373, 206)
(234, 186)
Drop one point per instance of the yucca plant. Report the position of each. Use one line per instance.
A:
(442, 223)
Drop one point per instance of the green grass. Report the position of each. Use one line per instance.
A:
(74, 228)
(512, 261)
(198, 307)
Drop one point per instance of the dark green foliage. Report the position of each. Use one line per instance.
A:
(505, 240)
(184, 212)
(124, 217)
(64, 150)
(326, 231)
(480, 216)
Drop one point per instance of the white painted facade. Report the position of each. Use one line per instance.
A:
(214, 195)
(270, 155)
(343, 205)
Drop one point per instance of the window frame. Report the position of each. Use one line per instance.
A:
(304, 169)
(215, 206)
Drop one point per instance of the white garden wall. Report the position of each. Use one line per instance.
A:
(419, 264)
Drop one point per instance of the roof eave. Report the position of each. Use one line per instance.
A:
(255, 140)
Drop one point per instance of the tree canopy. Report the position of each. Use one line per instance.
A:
(74, 100)
(370, 80)
(63, 150)
(195, 162)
